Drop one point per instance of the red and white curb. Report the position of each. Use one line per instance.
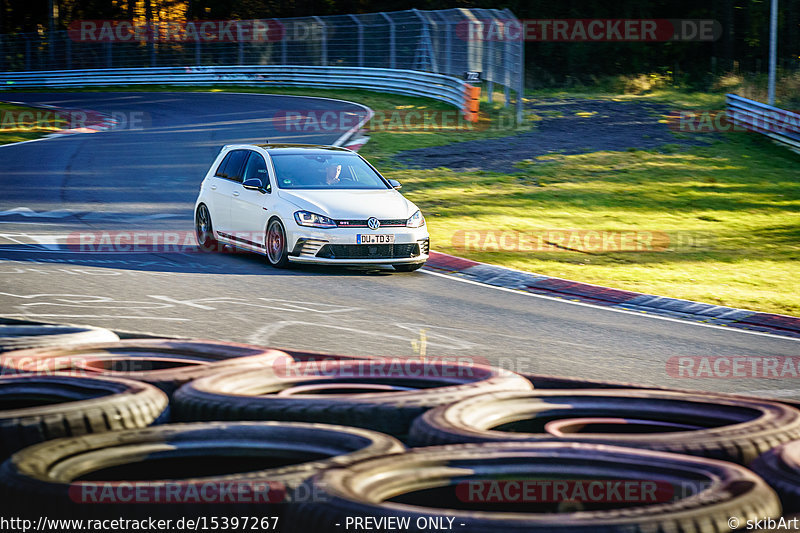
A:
(508, 278)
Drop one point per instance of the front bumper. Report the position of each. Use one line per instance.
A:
(338, 246)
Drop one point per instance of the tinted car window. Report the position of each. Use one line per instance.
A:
(256, 168)
(325, 171)
(231, 166)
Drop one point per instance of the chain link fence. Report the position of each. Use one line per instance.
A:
(441, 41)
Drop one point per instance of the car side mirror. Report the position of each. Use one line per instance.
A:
(395, 184)
(254, 184)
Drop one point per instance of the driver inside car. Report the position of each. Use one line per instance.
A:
(332, 173)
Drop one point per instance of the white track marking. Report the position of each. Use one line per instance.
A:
(79, 300)
(28, 315)
(182, 302)
(265, 333)
(28, 212)
(616, 310)
(25, 142)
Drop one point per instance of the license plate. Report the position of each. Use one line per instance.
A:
(374, 239)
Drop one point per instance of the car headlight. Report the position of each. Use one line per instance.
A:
(416, 220)
(304, 218)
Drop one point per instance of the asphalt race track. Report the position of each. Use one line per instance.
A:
(147, 179)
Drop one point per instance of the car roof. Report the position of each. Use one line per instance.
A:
(287, 148)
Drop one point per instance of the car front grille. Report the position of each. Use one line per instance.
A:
(369, 251)
(363, 223)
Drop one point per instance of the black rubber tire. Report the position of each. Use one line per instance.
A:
(23, 336)
(165, 363)
(432, 483)
(736, 430)
(543, 381)
(37, 408)
(254, 395)
(204, 230)
(780, 467)
(66, 477)
(306, 355)
(408, 267)
(281, 257)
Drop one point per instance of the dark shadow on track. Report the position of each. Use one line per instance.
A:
(18, 259)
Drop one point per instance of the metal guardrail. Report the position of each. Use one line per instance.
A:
(448, 42)
(778, 124)
(408, 82)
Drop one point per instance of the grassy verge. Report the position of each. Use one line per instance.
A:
(730, 211)
(17, 126)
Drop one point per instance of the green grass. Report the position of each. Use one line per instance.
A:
(730, 210)
(13, 130)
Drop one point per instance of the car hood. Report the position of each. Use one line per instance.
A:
(351, 204)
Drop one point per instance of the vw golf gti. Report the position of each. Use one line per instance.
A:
(298, 203)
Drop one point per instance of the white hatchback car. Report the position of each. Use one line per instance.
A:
(308, 204)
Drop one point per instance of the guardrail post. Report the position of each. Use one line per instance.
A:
(426, 39)
(448, 44)
(521, 87)
(284, 45)
(323, 42)
(109, 56)
(27, 53)
(360, 40)
(392, 58)
(490, 73)
(197, 52)
(240, 48)
(773, 47)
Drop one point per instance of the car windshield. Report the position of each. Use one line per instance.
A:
(325, 171)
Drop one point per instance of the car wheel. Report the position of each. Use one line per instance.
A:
(275, 242)
(204, 229)
(407, 267)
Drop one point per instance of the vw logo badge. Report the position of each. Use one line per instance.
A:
(373, 223)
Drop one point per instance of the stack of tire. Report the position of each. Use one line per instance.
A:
(309, 441)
